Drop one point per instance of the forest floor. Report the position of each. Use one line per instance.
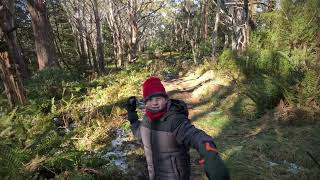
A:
(253, 148)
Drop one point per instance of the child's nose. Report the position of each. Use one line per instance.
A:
(154, 101)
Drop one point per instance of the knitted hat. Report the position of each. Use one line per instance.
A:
(153, 87)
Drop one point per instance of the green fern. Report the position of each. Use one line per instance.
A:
(10, 162)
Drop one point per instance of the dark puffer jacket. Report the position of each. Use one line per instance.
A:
(167, 140)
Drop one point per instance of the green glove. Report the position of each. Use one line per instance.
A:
(213, 165)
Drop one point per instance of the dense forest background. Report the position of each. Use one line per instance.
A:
(68, 66)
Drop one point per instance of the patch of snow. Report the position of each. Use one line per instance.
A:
(118, 154)
(293, 168)
(271, 164)
(121, 164)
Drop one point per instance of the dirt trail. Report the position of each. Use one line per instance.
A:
(194, 90)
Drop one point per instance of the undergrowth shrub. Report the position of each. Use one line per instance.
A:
(265, 91)
(306, 92)
(292, 115)
(12, 137)
(267, 62)
(227, 60)
(90, 105)
(52, 83)
(205, 48)
(11, 161)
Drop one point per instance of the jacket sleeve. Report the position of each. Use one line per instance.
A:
(187, 134)
(135, 128)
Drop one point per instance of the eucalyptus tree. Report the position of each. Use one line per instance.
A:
(43, 35)
(118, 30)
(85, 17)
(100, 50)
(9, 29)
(10, 54)
(236, 18)
(128, 21)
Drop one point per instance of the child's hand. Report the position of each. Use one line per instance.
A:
(131, 104)
(131, 107)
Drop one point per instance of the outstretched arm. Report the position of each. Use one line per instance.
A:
(135, 128)
(189, 135)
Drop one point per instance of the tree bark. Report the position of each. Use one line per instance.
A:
(83, 54)
(81, 32)
(58, 43)
(246, 27)
(88, 52)
(93, 55)
(7, 12)
(318, 47)
(133, 31)
(11, 80)
(194, 49)
(43, 34)
(226, 41)
(113, 22)
(100, 50)
(176, 32)
(205, 19)
(120, 50)
(233, 29)
(215, 31)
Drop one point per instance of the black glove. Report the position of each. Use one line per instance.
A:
(213, 165)
(131, 107)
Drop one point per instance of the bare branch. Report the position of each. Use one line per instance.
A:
(151, 13)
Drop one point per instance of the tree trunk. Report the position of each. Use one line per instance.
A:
(81, 33)
(88, 52)
(176, 32)
(43, 35)
(114, 48)
(246, 27)
(215, 31)
(93, 55)
(7, 26)
(194, 50)
(253, 10)
(233, 29)
(83, 54)
(226, 41)
(234, 43)
(58, 43)
(120, 51)
(113, 22)
(205, 20)
(11, 80)
(133, 31)
(318, 48)
(100, 50)
(119, 43)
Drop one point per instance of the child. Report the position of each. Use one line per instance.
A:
(167, 134)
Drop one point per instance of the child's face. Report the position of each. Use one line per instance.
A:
(156, 103)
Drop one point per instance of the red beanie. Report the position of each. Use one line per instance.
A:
(153, 86)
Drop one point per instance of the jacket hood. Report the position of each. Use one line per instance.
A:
(176, 107)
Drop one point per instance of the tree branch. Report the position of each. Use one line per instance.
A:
(152, 12)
